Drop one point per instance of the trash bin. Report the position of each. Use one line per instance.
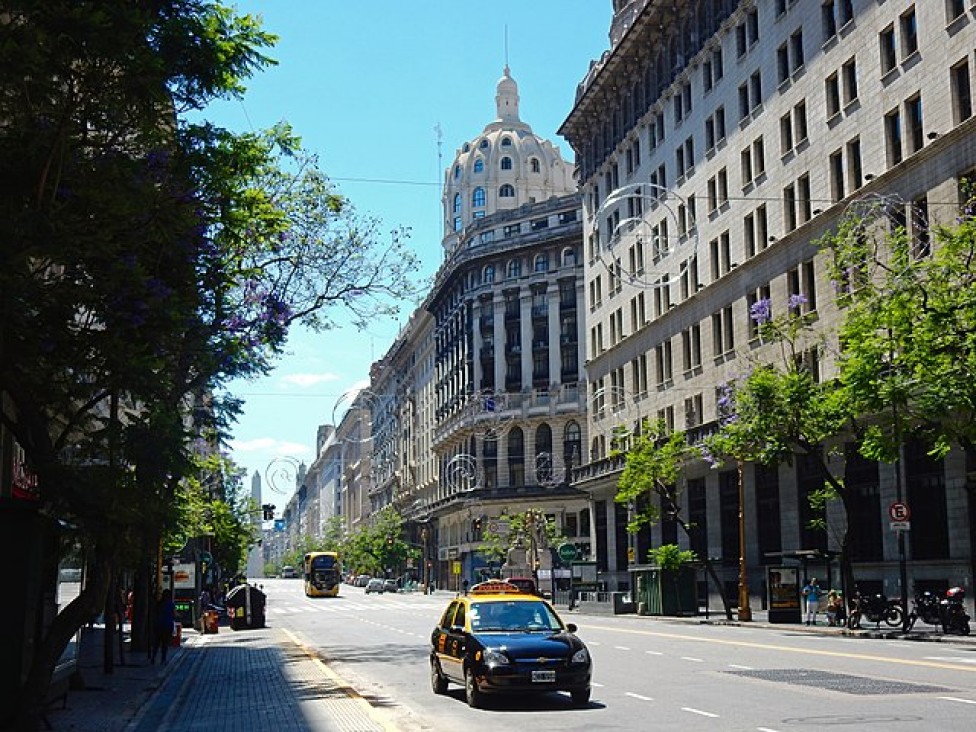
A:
(177, 635)
(211, 620)
(245, 605)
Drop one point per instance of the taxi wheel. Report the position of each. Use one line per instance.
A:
(437, 681)
(476, 700)
(580, 697)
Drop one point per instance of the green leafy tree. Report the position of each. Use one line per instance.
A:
(530, 529)
(654, 464)
(148, 260)
(781, 409)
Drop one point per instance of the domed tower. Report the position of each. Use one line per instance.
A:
(506, 166)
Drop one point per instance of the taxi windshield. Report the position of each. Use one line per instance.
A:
(509, 615)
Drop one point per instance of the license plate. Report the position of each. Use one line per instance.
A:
(542, 677)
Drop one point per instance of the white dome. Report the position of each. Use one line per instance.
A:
(506, 166)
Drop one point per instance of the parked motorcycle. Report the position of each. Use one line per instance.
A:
(926, 608)
(874, 608)
(953, 612)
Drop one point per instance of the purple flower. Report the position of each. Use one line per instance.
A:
(796, 301)
(760, 312)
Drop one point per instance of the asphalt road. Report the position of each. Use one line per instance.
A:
(669, 675)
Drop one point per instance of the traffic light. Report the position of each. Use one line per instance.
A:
(389, 542)
(269, 510)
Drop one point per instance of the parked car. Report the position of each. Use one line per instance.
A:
(500, 640)
(390, 585)
(375, 585)
(361, 580)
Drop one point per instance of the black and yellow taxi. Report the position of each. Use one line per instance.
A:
(498, 639)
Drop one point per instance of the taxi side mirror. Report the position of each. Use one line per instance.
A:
(571, 627)
(457, 628)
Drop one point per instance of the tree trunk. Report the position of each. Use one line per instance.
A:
(50, 647)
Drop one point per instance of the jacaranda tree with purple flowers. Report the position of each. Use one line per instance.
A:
(146, 260)
(781, 410)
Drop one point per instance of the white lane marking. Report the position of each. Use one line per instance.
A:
(691, 658)
(653, 653)
(622, 648)
(766, 729)
(699, 711)
(739, 666)
(956, 659)
(639, 696)
(957, 699)
(596, 685)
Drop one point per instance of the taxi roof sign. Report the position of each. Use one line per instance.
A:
(495, 587)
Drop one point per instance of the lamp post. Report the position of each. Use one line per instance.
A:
(745, 611)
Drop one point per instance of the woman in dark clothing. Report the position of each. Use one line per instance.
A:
(164, 626)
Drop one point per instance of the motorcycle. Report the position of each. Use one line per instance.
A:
(875, 608)
(927, 608)
(954, 618)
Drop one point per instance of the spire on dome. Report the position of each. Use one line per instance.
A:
(507, 98)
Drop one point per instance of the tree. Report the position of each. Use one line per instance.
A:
(654, 464)
(147, 261)
(782, 409)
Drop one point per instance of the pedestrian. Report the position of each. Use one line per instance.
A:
(464, 586)
(811, 595)
(164, 627)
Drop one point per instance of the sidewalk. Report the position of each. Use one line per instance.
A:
(228, 682)
(263, 679)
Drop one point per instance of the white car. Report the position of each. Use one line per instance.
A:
(374, 585)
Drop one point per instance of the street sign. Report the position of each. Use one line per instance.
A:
(900, 525)
(898, 512)
(567, 552)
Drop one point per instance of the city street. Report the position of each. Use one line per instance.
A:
(683, 675)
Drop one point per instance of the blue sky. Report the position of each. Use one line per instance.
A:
(365, 84)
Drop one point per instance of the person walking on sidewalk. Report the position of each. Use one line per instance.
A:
(164, 627)
(811, 595)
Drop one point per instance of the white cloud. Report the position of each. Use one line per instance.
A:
(272, 447)
(305, 380)
(261, 443)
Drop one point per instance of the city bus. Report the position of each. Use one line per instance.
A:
(322, 574)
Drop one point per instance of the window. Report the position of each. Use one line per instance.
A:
(478, 197)
(804, 196)
(458, 225)
(789, 207)
(541, 263)
(962, 98)
(506, 191)
(514, 268)
(534, 165)
(662, 358)
(954, 9)
(721, 255)
(723, 329)
(489, 273)
(800, 122)
(893, 137)
(506, 163)
(832, 96)
(913, 119)
(909, 33)
(855, 171)
(761, 296)
(483, 144)
(849, 73)
(836, 168)
(889, 56)
(828, 21)
(796, 51)
(786, 133)
(506, 142)
(783, 63)
(479, 165)
(691, 348)
(457, 203)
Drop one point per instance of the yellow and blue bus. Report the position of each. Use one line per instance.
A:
(322, 574)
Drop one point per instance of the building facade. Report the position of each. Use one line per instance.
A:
(716, 141)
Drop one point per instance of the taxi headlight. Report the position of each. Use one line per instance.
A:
(495, 658)
(581, 656)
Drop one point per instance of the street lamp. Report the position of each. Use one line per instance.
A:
(745, 611)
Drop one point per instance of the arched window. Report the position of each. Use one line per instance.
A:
(483, 144)
(544, 460)
(457, 223)
(534, 164)
(514, 268)
(457, 172)
(489, 273)
(541, 263)
(478, 197)
(506, 191)
(569, 257)
(479, 165)
(506, 142)
(466, 148)
(457, 203)
(506, 163)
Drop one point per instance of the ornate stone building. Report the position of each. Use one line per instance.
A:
(716, 141)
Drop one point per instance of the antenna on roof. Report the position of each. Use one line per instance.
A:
(506, 45)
